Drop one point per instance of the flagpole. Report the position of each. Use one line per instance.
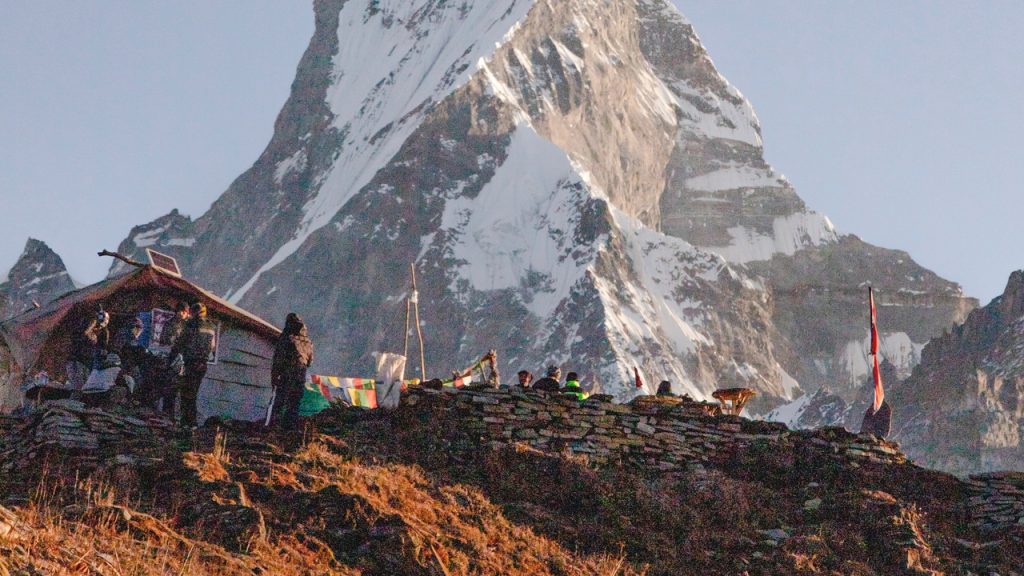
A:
(419, 331)
(408, 311)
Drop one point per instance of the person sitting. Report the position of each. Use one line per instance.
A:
(549, 383)
(525, 378)
(665, 389)
(572, 387)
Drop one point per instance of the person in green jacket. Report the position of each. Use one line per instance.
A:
(572, 386)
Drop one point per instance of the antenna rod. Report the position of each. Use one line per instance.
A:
(419, 331)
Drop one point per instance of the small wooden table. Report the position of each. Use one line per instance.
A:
(733, 399)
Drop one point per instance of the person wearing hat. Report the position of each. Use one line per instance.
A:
(549, 383)
(525, 378)
(572, 387)
(195, 346)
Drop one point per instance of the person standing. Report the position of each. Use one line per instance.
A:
(292, 356)
(173, 328)
(87, 344)
(165, 384)
(194, 345)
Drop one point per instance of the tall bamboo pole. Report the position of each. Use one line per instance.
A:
(419, 331)
(408, 311)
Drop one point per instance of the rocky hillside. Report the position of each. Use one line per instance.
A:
(416, 492)
(961, 409)
(575, 183)
(37, 277)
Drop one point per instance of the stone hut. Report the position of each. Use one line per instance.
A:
(237, 383)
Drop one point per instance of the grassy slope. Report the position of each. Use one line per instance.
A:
(388, 495)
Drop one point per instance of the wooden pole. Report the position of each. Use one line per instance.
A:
(419, 331)
(124, 259)
(408, 311)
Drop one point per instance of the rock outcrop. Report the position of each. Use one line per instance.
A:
(962, 408)
(38, 277)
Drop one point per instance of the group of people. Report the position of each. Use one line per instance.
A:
(550, 383)
(108, 362)
(161, 381)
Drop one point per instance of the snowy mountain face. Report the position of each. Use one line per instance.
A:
(172, 234)
(574, 182)
(38, 277)
(963, 406)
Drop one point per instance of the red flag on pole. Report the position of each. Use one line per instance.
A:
(874, 323)
(879, 391)
(636, 375)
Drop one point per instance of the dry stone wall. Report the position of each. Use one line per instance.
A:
(662, 435)
(997, 500)
(657, 434)
(89, 434)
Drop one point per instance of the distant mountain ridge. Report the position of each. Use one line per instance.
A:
(38, 277)
(575, 183)
(963, 407)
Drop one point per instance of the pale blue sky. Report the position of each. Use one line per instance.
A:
(899, 120)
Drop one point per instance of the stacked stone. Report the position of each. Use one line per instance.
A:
(997, 500)
(87, 433)
(658, 434)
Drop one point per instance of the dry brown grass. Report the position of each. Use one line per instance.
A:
(83, 530)
(92, 526)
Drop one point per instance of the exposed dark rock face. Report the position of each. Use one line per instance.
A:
(173, 234)
(964, 404)
(38, 277)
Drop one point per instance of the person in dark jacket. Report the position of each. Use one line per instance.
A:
(549, 383)
(292, 356)
(87, 345)
(195, 345)
(665, 389)
(165, 381)
(172, 329)
(572, 386)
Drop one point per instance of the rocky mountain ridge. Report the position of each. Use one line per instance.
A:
(575, 183)
(38, 277)
(963, 406)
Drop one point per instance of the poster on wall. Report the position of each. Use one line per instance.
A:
(158, 319)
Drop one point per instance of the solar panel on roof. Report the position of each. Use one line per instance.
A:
(164, 262)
